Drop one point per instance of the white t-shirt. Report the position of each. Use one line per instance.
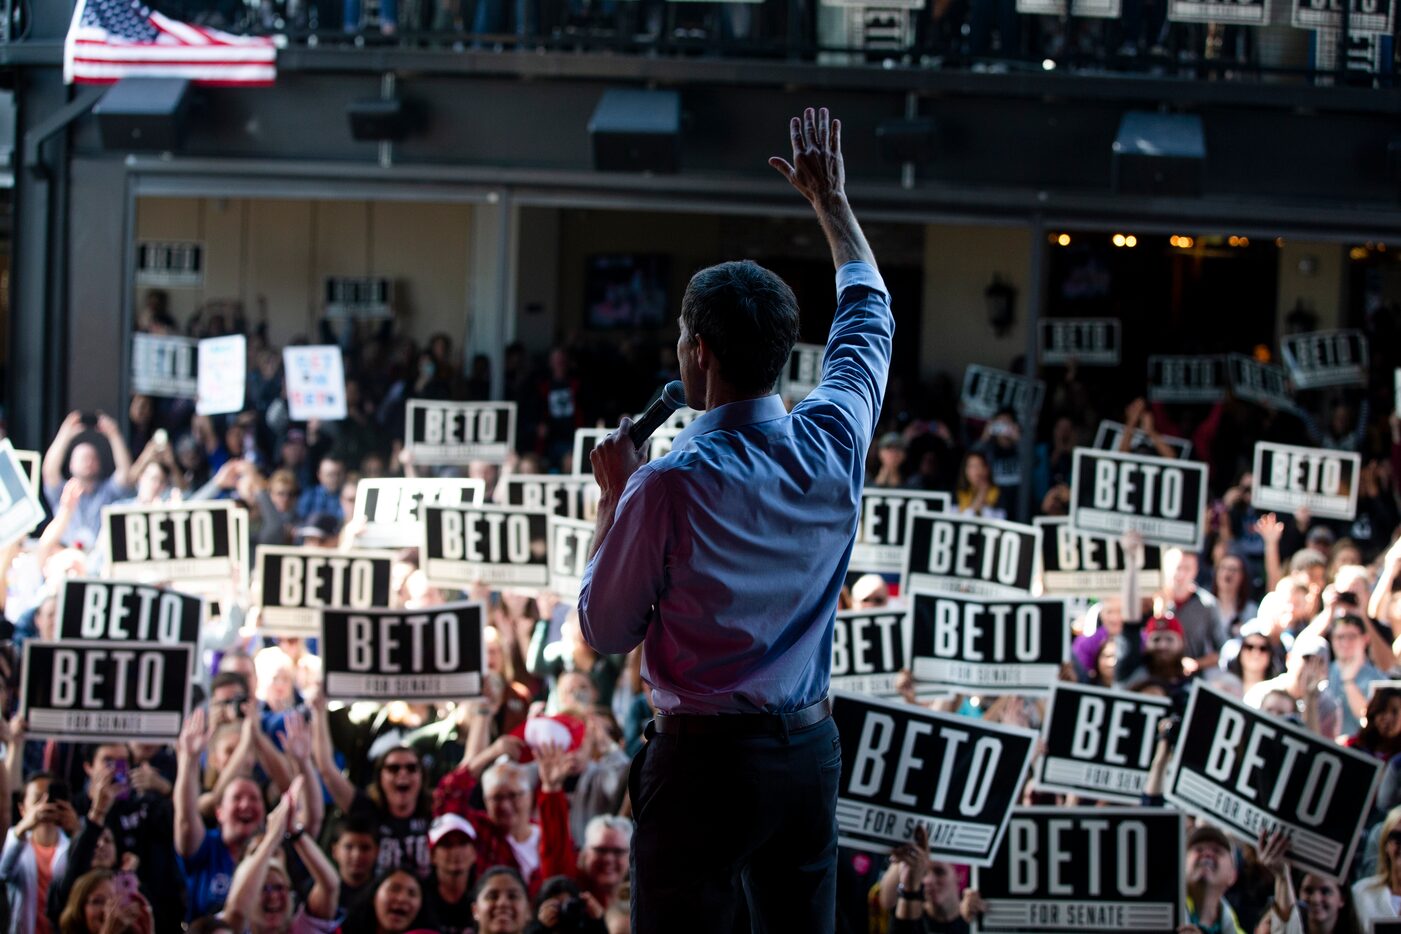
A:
(527, 852)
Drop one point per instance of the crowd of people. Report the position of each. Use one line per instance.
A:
(277, 810)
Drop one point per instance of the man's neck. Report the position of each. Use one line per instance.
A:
(452, 887)
(521, 832)
(1180, 597)
(718, 394)
(1207, 902)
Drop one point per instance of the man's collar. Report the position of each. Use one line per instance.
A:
(732, 415)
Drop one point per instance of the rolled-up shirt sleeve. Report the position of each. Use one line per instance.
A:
(627, 575)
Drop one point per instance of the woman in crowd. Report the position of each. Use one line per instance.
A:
(976, 494)
(392, 905)
(1255, 660)
(1231, 588)
(1375, 898)
(918, 895)
(1380, 735)
(86, 909)
(501, 905)
(1323, 905)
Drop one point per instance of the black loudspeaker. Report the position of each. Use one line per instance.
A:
(637, 131)
(908, 140)
(1159, 154)
(143, 114)
(376, 120)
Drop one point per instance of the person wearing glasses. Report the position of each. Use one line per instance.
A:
(397, 801)
(1351, 671)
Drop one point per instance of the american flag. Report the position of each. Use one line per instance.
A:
(114, 39)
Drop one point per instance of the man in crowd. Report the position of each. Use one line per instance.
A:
(325, 497)
(1211, 871)
(1351, 670)
(85, 469)
(36, 851)
(1193, 608)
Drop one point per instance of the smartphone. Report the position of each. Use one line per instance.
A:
(126, 883)
(89, 419)
(120, 778)
(161, 438)
(58, 791)
(1347, 598)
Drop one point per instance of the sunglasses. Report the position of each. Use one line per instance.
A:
(395, 768)
(1394, 837)
(1255, 647)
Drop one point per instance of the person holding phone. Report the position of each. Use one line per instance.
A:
(36, 851)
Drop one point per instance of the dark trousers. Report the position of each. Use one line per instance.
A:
(720, 818)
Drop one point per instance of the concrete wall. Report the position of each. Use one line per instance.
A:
(282, 250)
(960, 263)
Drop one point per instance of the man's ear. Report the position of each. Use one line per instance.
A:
(704, 358)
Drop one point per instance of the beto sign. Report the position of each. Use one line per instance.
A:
(119, 612)
(501, 545)
(1289, 477)
(1085, 869)
(1160, 498)
(869, 649)
(1249, 771)
(971, 555)
(1083, 564)
(392, 507)
(880, 529)
(104, 691)
(988, 646)
(458, 432)
(903, 766)
(433, 654)
(295, 584)
(1098, 742)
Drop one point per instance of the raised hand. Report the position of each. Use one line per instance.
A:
(1272, 848)
(192, 739)
(296, 738)
(1270, 528)
(553, 760)
(817, 171)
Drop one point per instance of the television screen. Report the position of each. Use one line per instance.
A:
(626, 290)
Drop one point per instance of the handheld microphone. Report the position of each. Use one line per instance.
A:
(672, 398)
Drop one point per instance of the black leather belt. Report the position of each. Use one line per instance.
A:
(743, 724)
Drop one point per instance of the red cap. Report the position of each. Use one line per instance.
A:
(1163, 624)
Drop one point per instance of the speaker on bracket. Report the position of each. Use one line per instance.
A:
(143, 114)
(637, 131)
(1159, 155)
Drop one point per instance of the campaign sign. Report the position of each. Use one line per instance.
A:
(1099, 742)
(1083, 341)
(1085, 870)
(1186, 379)
(803, 373)
(903, 766)
(585, 440)
(1329, 358)
(295, 584)
(869, 649)
(433, 654)
(970, 554)
(1100, 9)
(458, 432)
(222, 374)
(1259, 382)
(99, 691)
(570, 541)
(1083, 564)
(1249, 771)
(114, 611)
(497, 545)
(1365, 16)
(164, 365)
(315, 382)
(968, 645)
(987, 391)
(392, 506)
(1288, 477)
(1234, 12)
(1111, 434)
(29, 462)
(189, 543)
(880, 529)
(1161, 499)
(570, 497)
(20, 510)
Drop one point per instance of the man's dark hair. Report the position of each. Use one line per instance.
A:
(749, 319)
(357, 823)
(1350, 619)
(225, 678)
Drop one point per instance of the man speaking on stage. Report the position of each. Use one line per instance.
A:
(725, 559)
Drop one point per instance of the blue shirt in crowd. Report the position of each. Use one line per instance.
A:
(740, 537)
(318, 499)
(208, 875)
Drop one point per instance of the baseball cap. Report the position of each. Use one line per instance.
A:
(892, 439)
(320, 525)
(1163, 624)
(1209, 833)
(1310, 645)
(445, 824)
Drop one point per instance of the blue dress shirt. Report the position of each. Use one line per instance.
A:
(727, 555)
